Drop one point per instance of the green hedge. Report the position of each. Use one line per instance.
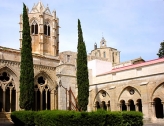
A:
(23, 118)
(73, 118)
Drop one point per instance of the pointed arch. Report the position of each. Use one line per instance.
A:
(101, 95)
(47, 28)
(135, 93)
(158, 90)
(46, 77)
(34, 27)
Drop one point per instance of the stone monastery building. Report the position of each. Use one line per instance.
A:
(135, 85)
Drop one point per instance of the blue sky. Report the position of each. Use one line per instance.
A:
(134, 27)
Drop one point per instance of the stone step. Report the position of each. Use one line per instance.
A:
(5, 117)
(2, 120)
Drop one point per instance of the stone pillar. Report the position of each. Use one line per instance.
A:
(46, 97)
(127, 106)
(153, 109)
(36, 99)
(137, 107)
(108, 107)
(120, 106)
(54, 96)
(163, 107)
(41, 99)
(10, 97)
(95, 107)
(4, 99)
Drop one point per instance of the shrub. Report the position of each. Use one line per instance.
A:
(132, 118)
(23, 118)
(73, 118)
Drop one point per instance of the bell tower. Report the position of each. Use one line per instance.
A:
(103, 43)
(44, 29)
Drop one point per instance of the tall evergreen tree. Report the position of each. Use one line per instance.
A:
(161, 50)
(26, 72)
(82, 72)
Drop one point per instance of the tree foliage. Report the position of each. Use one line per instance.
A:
(161, 50)
(82, 72)
(26, 100)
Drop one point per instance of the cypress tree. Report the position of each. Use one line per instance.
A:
(26, 72)
(161, 50)
(82, 72)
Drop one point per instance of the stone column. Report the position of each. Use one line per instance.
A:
(4, 99)
(163, 107)
(127, 106)
(41, 99)
(46, 97)
(55, 99)
(107, 106)
(120, 106)
(36, 89)
(10, 97)
(95, 107)
(137, 107)
(153, 109)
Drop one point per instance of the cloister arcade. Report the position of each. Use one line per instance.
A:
(44, 89)
(7, 90)
(130, 100)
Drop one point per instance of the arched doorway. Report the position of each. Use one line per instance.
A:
(158, 108)
(131, 105)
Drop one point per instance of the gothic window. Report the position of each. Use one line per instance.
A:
(47, 29)
(34, 28)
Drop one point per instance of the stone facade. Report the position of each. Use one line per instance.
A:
(114, 86)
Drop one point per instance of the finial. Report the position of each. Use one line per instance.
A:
(102, 35)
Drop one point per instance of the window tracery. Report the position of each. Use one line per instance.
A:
(34, 28)
(47, 28)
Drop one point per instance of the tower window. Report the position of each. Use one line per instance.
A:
(68, 58)
(47, 29)
(34, 27)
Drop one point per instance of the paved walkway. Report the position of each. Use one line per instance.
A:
(6, 124)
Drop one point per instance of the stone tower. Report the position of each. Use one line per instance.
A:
(105, 53)
(44, 29)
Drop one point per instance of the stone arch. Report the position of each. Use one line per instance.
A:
(102, 95)
(32, 19)
(158, 92)
(158, 107)
(8, 87)
(44, 87)
(48, 20)
(14, 77)
(102, 100)
(48, 80)
(129, 92)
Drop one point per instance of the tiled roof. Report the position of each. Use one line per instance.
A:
(150, 62)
